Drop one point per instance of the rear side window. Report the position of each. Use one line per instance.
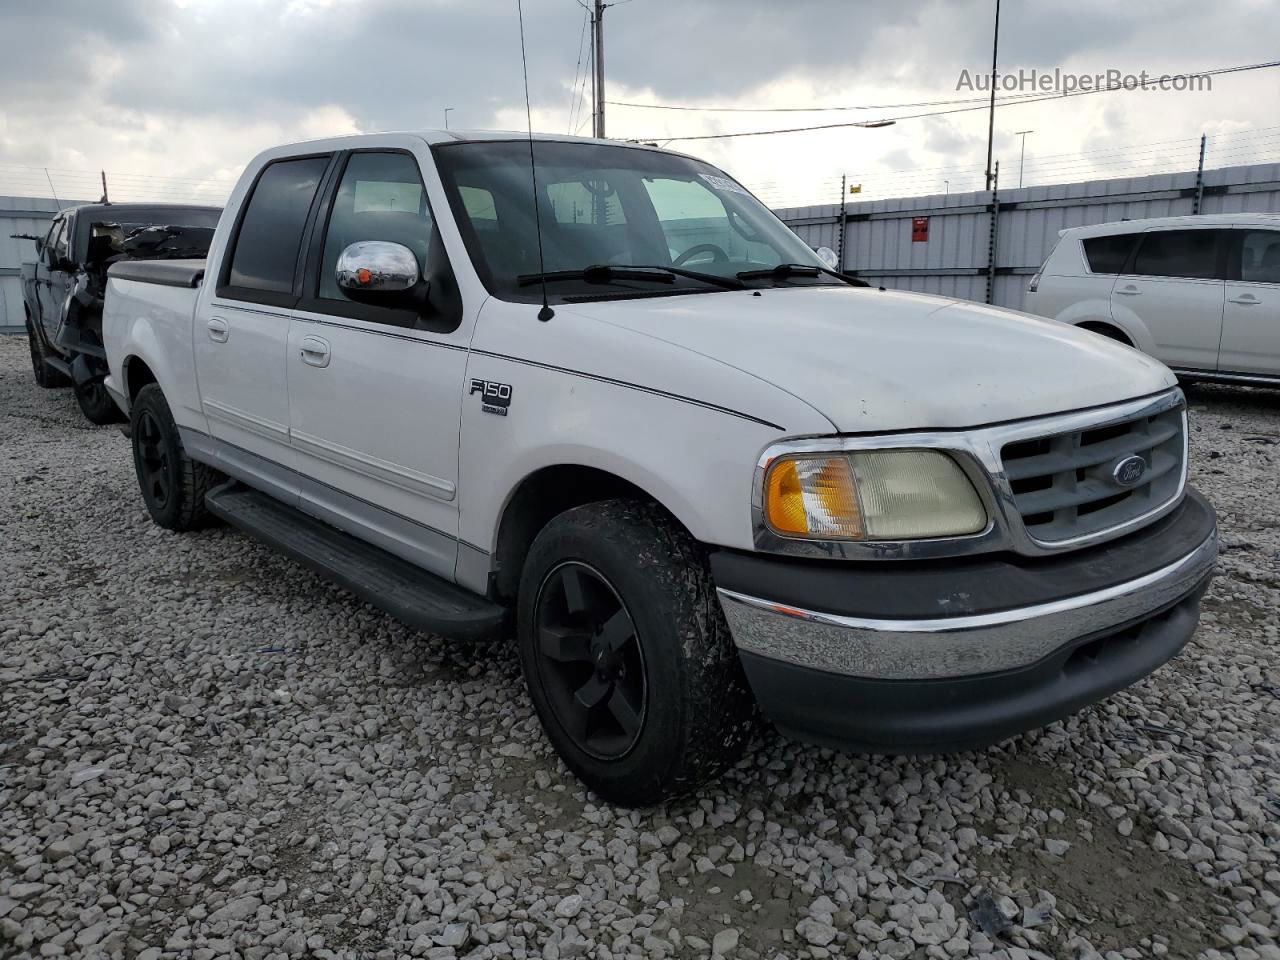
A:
(1108, 254)
(266, 250)
(1191, 254)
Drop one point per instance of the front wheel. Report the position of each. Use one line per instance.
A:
(96, 403)
(627, 654)
(172, 484)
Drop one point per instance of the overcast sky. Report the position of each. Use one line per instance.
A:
(163, 94)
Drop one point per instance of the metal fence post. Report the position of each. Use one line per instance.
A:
(994, 234)
(1195, 207)
(840, 223)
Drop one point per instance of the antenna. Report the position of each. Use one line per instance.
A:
(104, 187)
(546, 313)
(51, 190)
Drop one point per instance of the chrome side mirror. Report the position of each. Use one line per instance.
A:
(373, 267)
(827, 256)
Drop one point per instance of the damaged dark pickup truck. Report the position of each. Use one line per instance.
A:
(63, 289)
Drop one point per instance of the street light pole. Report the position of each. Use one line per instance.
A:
(1023, 158)
(991, 118)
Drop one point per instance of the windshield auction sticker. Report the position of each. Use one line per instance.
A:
(724, 183)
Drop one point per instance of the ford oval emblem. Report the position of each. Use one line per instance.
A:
(1129, 470)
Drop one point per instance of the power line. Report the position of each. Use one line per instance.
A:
(1244, 68)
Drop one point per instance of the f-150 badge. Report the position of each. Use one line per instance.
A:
(494, 397)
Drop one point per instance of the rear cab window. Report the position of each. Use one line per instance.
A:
(263, 263)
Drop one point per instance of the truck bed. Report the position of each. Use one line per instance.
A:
(169, 273)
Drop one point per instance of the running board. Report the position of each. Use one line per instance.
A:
(403, 590)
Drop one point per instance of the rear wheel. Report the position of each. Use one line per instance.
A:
(627, 655)
(96, 403)
(45, 375)
(172, 484)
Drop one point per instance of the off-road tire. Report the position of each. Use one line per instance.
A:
(158, 457)
(44, 375)
(699, 713)
(96, 403)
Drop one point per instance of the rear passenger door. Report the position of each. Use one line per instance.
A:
(242, 332)
(375, 392)
(1251, 317)
(1174, 287)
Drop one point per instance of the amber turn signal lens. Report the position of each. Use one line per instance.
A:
(813, 497)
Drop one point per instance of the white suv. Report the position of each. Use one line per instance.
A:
(1200, 293)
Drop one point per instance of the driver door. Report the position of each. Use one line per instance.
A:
(375, 393)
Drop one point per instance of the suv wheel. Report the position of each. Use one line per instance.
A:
(45, 375)
(96, 403)
(627, 655)
(172, 484)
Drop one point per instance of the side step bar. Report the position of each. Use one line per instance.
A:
(408, 593)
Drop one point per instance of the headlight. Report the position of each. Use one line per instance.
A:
(871, 495)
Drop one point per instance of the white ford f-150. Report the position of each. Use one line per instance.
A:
(644, 427)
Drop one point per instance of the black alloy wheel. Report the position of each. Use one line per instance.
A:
(155, 473)
(590, 660)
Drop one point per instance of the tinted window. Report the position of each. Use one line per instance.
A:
(1178, 253)
(380, 198)
(1260, 257)
(1108, 254)
(267, 246)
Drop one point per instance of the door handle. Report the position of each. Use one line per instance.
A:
(1129, 291)
(315, 351)
(1245, 300)
(218, 330)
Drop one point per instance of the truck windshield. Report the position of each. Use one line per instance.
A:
(617, 207)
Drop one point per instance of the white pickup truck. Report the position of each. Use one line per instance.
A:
(705, 473)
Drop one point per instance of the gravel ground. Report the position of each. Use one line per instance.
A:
(205, 751)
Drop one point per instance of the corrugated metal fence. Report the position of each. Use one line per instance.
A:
(20, 215)
(955, 258)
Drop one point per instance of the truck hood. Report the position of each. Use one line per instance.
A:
(878, 360)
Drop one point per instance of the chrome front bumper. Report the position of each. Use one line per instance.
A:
(959, 646)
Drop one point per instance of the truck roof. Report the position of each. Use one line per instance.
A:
(458, 136)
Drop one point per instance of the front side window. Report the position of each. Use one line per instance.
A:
(266, 250)
(1110, 253)
(1260, 257)
(381, 197)
(1191, 254)
(610, 206)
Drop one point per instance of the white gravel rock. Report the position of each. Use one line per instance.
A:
(207, 752)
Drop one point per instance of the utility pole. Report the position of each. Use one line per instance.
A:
(597, 23)
(1023, 159)
(991, 118)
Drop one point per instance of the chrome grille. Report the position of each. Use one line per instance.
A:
(1065, 485)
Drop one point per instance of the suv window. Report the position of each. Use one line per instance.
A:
(266, 249)
(1108, 254)
(381, 197)
(1191, 254)
(1260, 257)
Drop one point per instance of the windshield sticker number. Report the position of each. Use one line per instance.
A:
(724, 183)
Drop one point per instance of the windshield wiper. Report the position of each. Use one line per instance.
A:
(605, 273)
(784, 271)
